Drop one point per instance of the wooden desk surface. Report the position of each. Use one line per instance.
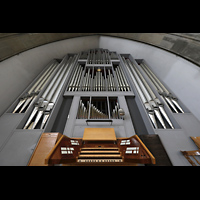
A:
(101, 134)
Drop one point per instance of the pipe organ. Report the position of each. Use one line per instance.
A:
(89, 90)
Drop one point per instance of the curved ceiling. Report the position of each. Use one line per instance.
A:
(186, 45)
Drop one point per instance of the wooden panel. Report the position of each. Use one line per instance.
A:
(55, 156)
(196, 141)
(46, 142)
(153, 160)
(100, 134)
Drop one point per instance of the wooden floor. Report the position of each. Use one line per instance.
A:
(155, 146)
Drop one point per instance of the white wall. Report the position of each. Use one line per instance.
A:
(17, 72)
(180, 75)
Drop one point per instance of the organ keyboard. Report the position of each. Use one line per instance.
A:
(99, 154)
(80, 151)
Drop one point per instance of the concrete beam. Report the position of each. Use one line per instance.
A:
(186, 45)
(14, 43)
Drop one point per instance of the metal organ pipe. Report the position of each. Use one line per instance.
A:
(155, 99)
(148, 107)
(154, 102)
(162, 90)
(36, 88)
(102, 71)
(50, 95)
(98, 78)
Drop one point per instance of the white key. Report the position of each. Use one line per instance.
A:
(64, 152)
(131, 148)
(128, 152)
(75, 143)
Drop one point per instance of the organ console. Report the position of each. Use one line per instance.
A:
(99, 146)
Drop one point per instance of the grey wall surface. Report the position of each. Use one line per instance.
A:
(17, 72)
(180, 75)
